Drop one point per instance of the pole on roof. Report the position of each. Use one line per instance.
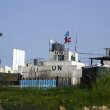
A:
(91, 61)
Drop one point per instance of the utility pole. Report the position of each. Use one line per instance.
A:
(1, 34)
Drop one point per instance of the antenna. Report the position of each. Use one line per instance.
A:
(76, 43)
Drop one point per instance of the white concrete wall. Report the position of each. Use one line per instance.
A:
(51, 71)
(107, 63)
(65, 63)
(6, 69)
(107, 51)
(70, 53)
(66, 54)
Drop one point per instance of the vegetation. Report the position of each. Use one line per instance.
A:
(73, 98)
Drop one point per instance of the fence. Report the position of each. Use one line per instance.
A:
(63, 82)
(9, 79)
(46, 83)
(38, 83)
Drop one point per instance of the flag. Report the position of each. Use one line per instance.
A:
(67, 34)
(67, 39)
(1, 34)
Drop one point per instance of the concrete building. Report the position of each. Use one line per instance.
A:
(18, 59)
(107, 55)
(6, 69)
(104, 60)
(61, 63)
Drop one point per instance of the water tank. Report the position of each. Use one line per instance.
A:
(57, 47)
(62, 48)
(38, 61)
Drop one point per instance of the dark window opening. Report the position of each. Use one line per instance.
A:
(60, 57)
(109, 53)
(72, 58)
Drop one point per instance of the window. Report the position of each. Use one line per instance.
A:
(72, 58)
(60, 57)
(109, 52)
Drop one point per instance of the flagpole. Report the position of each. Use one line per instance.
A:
(68, 46)
(76, 43)
(1, 34)
(49, 45)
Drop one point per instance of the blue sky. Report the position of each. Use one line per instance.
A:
(29, 24)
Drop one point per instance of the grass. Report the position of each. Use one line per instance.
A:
(73, 98)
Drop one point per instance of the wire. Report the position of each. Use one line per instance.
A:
(90, 53)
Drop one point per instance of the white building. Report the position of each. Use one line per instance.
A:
(18, 59)
(61, 63)
(6, 69)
